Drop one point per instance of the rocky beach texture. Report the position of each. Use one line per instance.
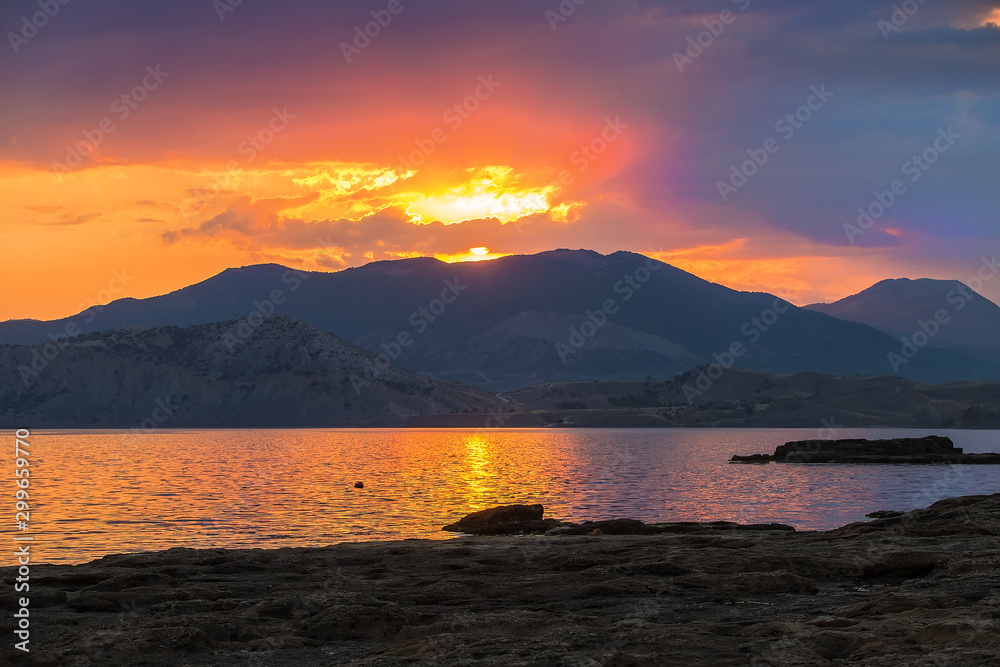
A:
(916, 588)
(929, 449)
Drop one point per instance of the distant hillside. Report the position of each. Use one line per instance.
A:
(898, 307)
(743, 399)
(559, 316)
(275, 372)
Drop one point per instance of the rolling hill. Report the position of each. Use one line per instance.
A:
(280, 373)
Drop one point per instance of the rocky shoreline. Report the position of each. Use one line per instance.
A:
(528, 520)
(917, 588)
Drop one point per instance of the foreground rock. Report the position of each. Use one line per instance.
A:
(527, 520)
(509, 519)
(931, 449)
(917, 589)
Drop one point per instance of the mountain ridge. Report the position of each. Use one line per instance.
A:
(472, 322)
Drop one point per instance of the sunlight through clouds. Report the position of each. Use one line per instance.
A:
(493, 192)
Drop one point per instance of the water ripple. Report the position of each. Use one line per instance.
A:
(247, 488)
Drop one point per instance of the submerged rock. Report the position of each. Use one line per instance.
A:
(930, 449)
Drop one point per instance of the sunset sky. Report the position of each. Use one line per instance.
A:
(145, 146)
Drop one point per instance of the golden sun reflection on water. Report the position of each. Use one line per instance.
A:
(94, 493)
(477, 469)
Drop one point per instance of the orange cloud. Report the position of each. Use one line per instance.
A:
(798, 273)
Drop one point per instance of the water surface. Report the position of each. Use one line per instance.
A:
(95, 493)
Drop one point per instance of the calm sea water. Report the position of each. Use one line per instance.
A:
(95, 493)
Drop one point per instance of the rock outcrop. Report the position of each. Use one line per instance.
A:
(965, 515)
(930, 449)
(507, 519)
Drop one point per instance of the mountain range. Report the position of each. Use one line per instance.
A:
(567, 316)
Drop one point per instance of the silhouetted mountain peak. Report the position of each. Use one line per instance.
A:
(897, 306)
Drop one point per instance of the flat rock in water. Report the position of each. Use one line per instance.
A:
(930, 449)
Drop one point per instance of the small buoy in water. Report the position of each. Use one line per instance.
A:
(359, 485)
